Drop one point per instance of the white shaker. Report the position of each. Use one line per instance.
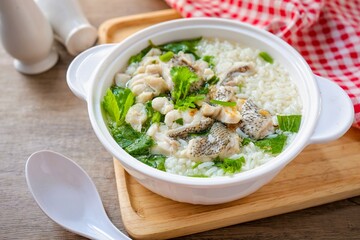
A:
(69, 23)
(27, 36)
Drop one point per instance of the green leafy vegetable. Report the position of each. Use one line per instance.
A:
(246, 141)
(157, 117)
(153, 116)
(166, 56)
(230, 165)
(138, 57)
(117, 102)
(180, 121)
(222, 103)
(182, 77)
(213, 80)
(204, 89)
(186, 46)
(125, 99)
(188, 102)
(289, 123)
(266, 57)
(124, 135)
(141, 146)
(209, 60)
(272, 145)
(154, 160)
(197, 164)
(137, 144)
(110, 105)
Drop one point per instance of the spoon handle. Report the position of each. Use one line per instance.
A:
(107, 231)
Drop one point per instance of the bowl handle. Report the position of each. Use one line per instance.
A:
(79, 73)
(336, 114)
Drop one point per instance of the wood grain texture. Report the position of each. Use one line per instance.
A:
(322, 173)
(116, 29)
(40, 112)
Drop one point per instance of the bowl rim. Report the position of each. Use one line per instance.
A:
(132, 164)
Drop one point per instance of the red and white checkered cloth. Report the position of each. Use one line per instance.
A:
(325, 32)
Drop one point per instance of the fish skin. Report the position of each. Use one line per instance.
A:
(183, 131)
(254, 124)
(212, 145)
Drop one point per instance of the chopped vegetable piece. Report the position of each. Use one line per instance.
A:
(157, 117)
(266, 57)
(213, 80)
(166, 56)
(110, 106)
(186, 46)
(246, 141)
(153, 116)
(230, 165)
(124, 135)
(141, 146)
(204, 89)
(117, 102)
(125, 99)
(188, 102)
(154, 160)
(180, 121)
(197, 164)
(209, 60)
(289, 123)
(272, 145)
(138, 57)
(227, 104)
(183, 77)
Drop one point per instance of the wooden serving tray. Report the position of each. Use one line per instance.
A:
(322, 173)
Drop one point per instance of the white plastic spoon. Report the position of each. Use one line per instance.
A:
(67, 195)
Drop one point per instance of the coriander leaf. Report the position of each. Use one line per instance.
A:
(213, 80)
(266, 57)
(289, 123)
(138, 57)
(246, 141)
(152, 116)
(209, 60)
(188, 102)
(166, 56)
(204, 90)
(141, 146)
(186, 46)
(230, 165)
(272, 145)
(110, 106)
(180, 121)
(222, 103)
(153, 160)
(124, 135)
(182, 77)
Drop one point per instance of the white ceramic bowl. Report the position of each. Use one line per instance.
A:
(327, 110)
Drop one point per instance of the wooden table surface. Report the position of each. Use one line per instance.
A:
(40, 112)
